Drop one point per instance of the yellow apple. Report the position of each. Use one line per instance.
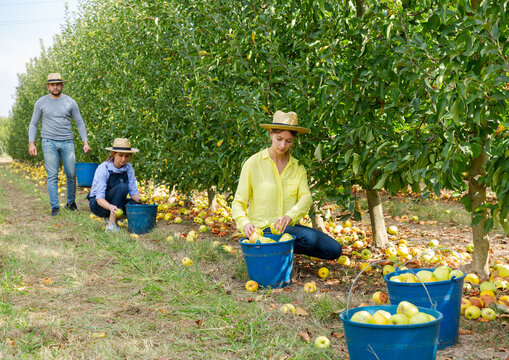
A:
(251, 286)
(309, 287)
(407, 308)
(285, 237)
(387, 269)
(288, 308)
(119, 213)
(361, 316)
(464, 304)
(366, 254)
(344, 260)
(178, 220)
(398, 319)
(419, 318)
(322, 342)
(380, 298)
(274, 230)
(488, 314)
(472, 278)
(323, 272)
(187, 262)
(392, 230)
(472, 312)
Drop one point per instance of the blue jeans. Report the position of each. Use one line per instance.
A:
(54, 151)
(312, 242)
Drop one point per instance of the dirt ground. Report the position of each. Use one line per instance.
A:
(476, 340)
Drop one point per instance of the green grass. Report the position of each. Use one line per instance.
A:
(70, 291)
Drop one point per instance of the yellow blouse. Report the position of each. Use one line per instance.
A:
(269, 194)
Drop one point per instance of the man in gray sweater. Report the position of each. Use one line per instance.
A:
(56, 111)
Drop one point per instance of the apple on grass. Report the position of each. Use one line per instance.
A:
(251, 286)
(288, 308)
(322, 342)
(344, 260)
(380, 298)
(472, 312)
(366, 254)
(488, 314)
(387, 269)
(392, 230)
(309, 287)
(187, 262)
(464, 304)
(323, 272)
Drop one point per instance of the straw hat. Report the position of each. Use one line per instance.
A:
(122, 145)
(286, 121)
(54, 78)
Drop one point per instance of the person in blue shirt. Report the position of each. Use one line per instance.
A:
(113, 180)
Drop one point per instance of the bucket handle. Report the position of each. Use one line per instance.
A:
(438, 249)
(433, 306)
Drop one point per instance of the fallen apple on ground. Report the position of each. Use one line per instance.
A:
(323, 272)
(380, 298)
(472, 312)
(322, 342)
(288, 308)
(187, 262)
(366, 254)
(251, 286)
(309, 287)
(392, 230)
(488, 314)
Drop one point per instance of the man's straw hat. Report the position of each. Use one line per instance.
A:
(122, 145)
(54, 78)
(286, 121)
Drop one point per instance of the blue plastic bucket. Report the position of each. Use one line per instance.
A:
(85, 173)
(395, 342)
(141, 218)
(270, 265)
(445, 294)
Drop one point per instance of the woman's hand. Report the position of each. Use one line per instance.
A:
(113, 209)
(248, 229)
(281, 223)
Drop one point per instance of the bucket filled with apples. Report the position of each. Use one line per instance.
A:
(443, 285)
(395, 332)
(269, 258)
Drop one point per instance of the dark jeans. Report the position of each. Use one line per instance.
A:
(117, 195)
(312, 242)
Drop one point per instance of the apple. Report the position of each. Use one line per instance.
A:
(472, 278)
(455, 273)
(441, 273)
(191, 236)
(203, 228)
(119, 213)
(488, 286)
(285, 237)
(472, 312)
(433, 243)
(407, 308)
(143, 198)
(387, 269)
(309, 287)
(398, 319)
(366, 266)
(251, 286)
(344, 260)
(503, 271)
(391, 251)
(380, 317)
(135, 236)
(477, 302)
(380, 298)
(464, 304)
(504, 300)
(414, 218)
(392, 230)
(274, 230)
(487, 293)
(419, 318)
(395, 278)
(288, 308)
(187, 262)
(403, 251)
(322, 342)
(366, 254)
(347, 224)
(359, 244)
(178, 220)
(361, 316)
(470, 248)
(323, 272)
(424, 275)
(255, 234)
(427, 256)
(488, 314)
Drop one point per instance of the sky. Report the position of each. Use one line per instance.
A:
(24, 24)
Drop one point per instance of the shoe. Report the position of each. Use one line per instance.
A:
(55, 211)
(111, 227)
(72, 206)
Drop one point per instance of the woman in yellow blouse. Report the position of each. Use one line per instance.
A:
(273, 190)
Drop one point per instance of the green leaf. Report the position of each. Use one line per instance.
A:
(356, 163)
(381, 182)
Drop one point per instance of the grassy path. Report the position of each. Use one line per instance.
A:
(70, 291)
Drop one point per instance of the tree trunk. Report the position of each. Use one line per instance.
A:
(317, 219)
(211, 196)
(376, 215)
(477, 195)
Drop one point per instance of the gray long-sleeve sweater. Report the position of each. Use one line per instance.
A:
(56, 117)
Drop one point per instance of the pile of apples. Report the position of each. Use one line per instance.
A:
(406, 313)
(257, 237)
(441, 273)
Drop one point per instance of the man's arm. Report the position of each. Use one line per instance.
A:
(80, 124)
(32, 128)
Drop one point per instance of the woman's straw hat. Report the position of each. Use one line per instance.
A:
(54, 78)
(286, 121)
(122, 145)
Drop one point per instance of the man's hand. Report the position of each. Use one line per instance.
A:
(86, 147)
(32, 150)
